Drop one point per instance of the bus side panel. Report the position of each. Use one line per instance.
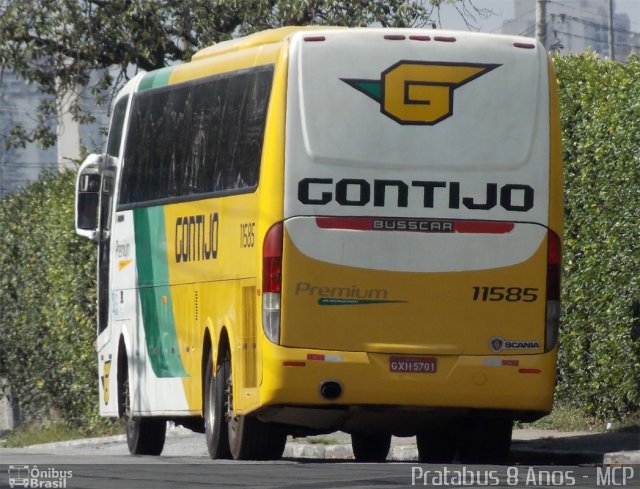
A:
(211, 257)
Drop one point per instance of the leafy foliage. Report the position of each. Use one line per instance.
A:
(92, 47)
(600, 350)
(47, 303)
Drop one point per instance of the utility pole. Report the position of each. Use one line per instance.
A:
(612, 51)
(541, 22)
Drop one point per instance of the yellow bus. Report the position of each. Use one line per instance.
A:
(316, 229)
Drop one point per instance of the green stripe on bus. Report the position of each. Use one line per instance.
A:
(355, 302)
(155, 295)
(155, 79)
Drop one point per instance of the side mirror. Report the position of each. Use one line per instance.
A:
(88, 197)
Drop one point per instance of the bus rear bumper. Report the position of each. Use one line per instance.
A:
(518, 386)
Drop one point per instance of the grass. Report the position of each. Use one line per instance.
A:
(318, 440)
(567, 418)
(322, 440)
(36, 434)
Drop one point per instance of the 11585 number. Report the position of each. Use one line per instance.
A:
(509, 294)
(247, 235)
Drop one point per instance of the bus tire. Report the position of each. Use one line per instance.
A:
(215, 409)
(486, 440)
(250, 438)
(145, 436)
(368, 447)
(437, 444)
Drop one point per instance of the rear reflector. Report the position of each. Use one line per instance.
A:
(510, 363)
(314, 38)
(483, 227)
(419, 225)
(394, 37)
(324, 358)
(530, 371)
(524, 45)
(420, 38)
(444, 39)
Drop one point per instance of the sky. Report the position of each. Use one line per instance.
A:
(503, 10)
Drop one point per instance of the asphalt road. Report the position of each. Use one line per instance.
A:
(105, 463)
(179, 472)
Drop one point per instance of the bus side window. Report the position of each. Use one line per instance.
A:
(200, 137)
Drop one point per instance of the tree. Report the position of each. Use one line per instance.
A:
(93, 46)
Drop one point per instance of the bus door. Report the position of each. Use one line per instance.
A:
(104, 243)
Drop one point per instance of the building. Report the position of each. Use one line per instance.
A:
(19, 103)
(574, 26)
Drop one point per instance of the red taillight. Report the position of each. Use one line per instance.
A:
(552, 326)
(554, 253)
(272, 260)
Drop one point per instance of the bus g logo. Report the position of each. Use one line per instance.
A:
(418, 92)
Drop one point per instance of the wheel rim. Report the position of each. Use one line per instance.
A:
(211, 410)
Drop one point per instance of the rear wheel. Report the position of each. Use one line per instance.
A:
(486, 440)
(215, 409)
(249, 438)
(369, 447)
(145, 436)
(437, 444)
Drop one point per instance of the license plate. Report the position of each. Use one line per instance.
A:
(413, 365)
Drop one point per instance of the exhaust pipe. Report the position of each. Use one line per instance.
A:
(331, 390)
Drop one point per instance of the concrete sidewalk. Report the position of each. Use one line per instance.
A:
(529, 447)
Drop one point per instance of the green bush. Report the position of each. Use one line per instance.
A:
(47, 303)
(47, 274)
(599, 368)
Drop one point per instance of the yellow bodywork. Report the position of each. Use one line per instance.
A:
(224, 296)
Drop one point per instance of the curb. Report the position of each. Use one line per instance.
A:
(622, 458)
(522, 456)
(532, 456)
(318, 451)
(83, 442)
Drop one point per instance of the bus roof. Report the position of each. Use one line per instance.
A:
(270, 36)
